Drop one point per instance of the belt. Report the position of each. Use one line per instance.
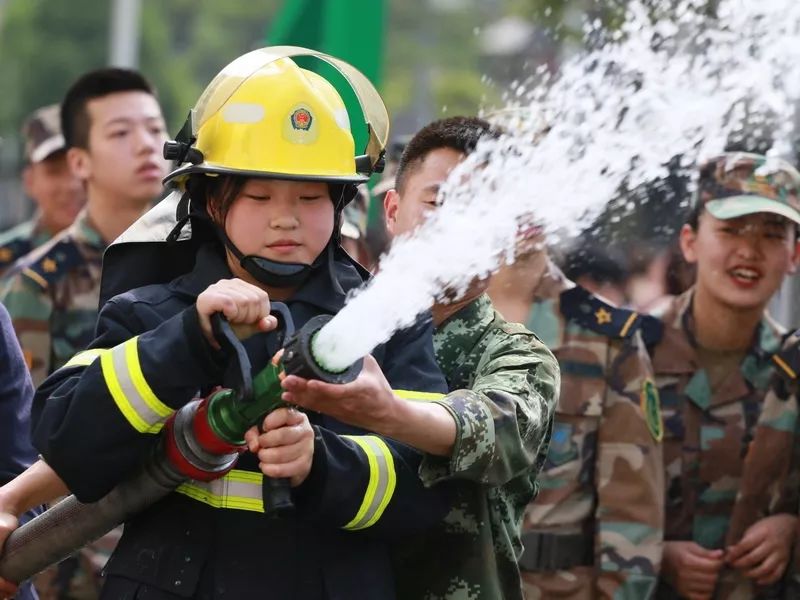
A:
(555, 551)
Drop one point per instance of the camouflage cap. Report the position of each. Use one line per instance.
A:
(735, 184)
(42, 133)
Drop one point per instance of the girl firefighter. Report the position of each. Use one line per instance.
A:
(269, 166)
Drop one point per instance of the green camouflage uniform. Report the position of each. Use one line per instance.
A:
(42, 134)
(781, 456)
(19, 241)
(595, 529)
(506, 384)
(52, 296)
(728, 453)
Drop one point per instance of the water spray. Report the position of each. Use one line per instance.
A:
(673, 81)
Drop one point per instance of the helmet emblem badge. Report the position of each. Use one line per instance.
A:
(301, 119)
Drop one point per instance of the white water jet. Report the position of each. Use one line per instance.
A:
(655, 89)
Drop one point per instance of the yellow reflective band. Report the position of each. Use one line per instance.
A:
(415, 395)
(382, 481)
(85, 358)
(238, 490)
(127, 385)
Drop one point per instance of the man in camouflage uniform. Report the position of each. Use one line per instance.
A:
(486, 440)
(114, 133)
(48, 181)
(595, 529)
(730, 472)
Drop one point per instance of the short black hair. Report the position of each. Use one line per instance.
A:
(598, 263)
(458, 133)
(95, 84)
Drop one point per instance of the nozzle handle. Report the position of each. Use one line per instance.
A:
(277, 495)
(238, 375)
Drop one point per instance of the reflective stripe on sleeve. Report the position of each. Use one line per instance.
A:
(415, 395)
(238, 490)
(85, 358)
(382, 481)
(131, 392)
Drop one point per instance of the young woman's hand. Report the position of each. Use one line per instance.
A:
(242, 303)
(286, 448)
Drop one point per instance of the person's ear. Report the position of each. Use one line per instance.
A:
(795, 257)
(80, 163)
(391, 202)
(688, 242)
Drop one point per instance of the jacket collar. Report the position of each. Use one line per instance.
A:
(83, 231)
(677, 355)
(455, 339)
(319, 290)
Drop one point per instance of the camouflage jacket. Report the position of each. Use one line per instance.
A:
(19, 241)
(781, 466)
(727, 453)
(52, 295)
(595, 530)
(505, 384)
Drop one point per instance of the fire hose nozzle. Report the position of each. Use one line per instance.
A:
(299, 356)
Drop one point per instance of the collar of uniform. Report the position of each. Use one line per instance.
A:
(552, 283)
(83, 231)
(318, 291)
(677, 354)
(209, 267)
(39, 235)
(322, 291)
(457, 336)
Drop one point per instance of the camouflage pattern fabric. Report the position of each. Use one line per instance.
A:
(506, 384)
(19, 241)
(595, 529)
(785, 389)
(52, 296)
(740, 183)
(727, 452)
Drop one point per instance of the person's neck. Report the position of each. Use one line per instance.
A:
(111, 217)
(442, 311)
(721, 327)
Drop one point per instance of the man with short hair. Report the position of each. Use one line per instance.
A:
(114, 134)
(485, 440)
(48, 182)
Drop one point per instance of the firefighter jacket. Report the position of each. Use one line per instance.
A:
(16, 392)
(97, 418)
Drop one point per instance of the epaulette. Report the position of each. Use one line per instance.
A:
(13, 250)
(788, 358)
(593, 313)
(55, 261)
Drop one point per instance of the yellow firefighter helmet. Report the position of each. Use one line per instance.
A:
(264, 116)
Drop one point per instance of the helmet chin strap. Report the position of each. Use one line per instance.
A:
(271, 272)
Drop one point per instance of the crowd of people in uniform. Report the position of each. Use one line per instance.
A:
(528, 439)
